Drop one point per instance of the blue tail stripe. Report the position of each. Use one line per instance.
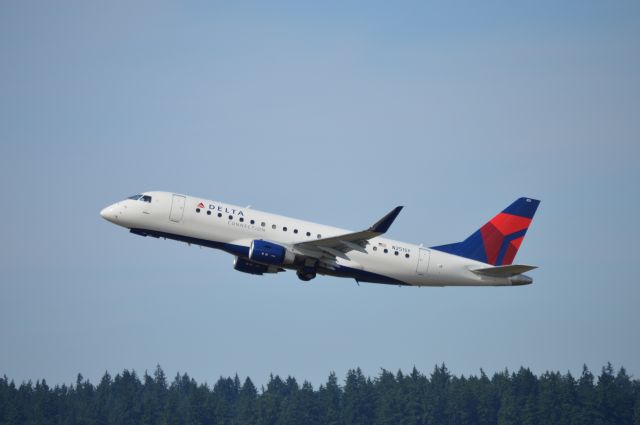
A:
(524, 207)
(505, 244)
(472, 248)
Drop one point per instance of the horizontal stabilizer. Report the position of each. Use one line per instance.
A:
(504, 271)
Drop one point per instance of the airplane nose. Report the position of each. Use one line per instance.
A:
(108, 213)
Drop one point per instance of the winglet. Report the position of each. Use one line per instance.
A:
(385, 222)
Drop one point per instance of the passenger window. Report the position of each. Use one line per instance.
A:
(197, 210)
(308, 233)
(208, 212)
(241, 219)
(230, 217)
(386, 250)
(319, 236)
(263, 224)
(219, 214)
(295, 230)
(284, 229)
(273, 226)
(252, 222)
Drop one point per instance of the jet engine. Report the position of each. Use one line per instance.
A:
(247, 266)
(270, 253)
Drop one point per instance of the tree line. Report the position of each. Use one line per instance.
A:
(440, 397)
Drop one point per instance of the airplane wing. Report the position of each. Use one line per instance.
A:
(337, 246)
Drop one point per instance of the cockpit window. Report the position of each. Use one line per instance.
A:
(143, 198)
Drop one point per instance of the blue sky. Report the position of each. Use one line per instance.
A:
(333, 113)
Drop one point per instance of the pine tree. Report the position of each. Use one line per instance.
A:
(488, 399)
(299, 405)
(226, 393)
(463, 404)
(330, 400)
(247, 404)
(605, 394)
(636, 410)
(104, 405)
(390, 406)
(5, 399)
(359, 399)
(270, 402)
(623, 398)
(153, 397)
(413, 390)
(437, 391)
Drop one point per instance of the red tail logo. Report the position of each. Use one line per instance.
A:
(502, 237)
(497, 242)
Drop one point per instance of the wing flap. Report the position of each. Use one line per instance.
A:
(353, 246)
(333, 252)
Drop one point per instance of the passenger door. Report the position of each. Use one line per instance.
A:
(423, 262)
(177, 208)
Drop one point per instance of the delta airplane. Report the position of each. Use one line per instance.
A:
(268, 243)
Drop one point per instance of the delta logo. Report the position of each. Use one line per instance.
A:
(200, 205)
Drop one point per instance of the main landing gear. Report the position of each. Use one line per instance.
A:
(308, 270)
(306, 273)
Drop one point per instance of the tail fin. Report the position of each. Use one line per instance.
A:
(497, 242)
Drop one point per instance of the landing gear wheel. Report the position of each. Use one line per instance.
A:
(305, 276)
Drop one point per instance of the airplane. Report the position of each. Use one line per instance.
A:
(267, 243)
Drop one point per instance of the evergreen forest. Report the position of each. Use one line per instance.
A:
(611, 397)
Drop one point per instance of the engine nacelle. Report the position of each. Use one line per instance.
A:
(270, 253)
(247, 266)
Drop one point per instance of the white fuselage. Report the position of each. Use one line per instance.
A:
(232, 228)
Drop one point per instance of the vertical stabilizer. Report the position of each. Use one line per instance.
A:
(498, 241)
